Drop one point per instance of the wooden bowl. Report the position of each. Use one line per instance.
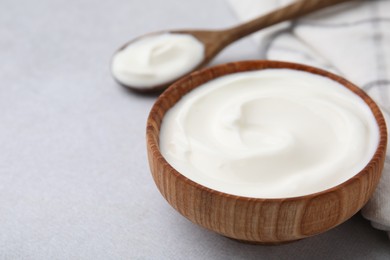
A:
(258, 220)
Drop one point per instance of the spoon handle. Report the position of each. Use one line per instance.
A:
(289, 12)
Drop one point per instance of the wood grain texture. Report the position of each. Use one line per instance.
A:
(257, 220)
(216, 40)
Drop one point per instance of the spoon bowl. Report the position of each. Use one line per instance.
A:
(210, 39)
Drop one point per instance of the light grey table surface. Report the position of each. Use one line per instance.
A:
(74, 180)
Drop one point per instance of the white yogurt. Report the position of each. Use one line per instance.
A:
(157, 59)
(272, 133)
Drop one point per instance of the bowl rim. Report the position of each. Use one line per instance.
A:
(261, 65)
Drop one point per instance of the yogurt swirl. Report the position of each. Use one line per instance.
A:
(272, 133)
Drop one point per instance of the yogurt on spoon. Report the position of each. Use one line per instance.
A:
(157, 59)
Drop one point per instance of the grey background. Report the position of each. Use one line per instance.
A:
(74, 180)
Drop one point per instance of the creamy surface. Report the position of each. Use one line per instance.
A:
(157, 59)
(272, 133)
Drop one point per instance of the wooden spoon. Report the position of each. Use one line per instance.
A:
(216, 40)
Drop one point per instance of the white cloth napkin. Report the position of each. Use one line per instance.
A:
(351, 39)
